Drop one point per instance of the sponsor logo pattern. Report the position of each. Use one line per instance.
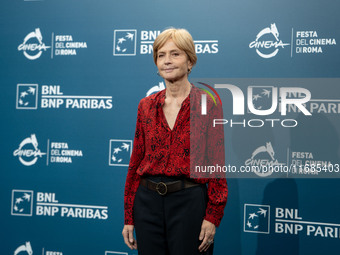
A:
(125, 41)
(27, 96)
(62, 45)
(267, 43)
(120, 152)
(52, 97)
(22, 202)
(257, 218)
(26, 248)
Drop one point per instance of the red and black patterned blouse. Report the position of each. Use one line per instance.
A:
(193, 141)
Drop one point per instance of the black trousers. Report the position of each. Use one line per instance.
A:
(170, 224)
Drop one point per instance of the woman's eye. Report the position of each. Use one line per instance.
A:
(175, 54)
(160, 56)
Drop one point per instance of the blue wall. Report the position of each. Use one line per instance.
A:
(70, 90)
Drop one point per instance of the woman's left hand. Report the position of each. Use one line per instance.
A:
(207, 234)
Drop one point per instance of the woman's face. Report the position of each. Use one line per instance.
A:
(173, 63)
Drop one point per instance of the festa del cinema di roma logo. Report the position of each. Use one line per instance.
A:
(268, 48)
(26, 249)
(28, 151)
(33, 46)
(58, 152)
(62, 45)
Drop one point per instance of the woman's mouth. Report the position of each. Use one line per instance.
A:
(168, 70)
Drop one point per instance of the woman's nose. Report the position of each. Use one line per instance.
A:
(167, 59)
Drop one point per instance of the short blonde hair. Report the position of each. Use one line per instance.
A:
(182, 39)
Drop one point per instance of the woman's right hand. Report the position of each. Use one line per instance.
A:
(129, 239)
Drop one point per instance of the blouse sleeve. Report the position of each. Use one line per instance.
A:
(133, 179)
(217, 186)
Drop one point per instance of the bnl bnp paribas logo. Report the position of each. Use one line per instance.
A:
(22, 202)
(125, 43)
(27, 96)
(261, 219)
(120, 152)
(46, 204)
(267, 42)
(53, 97)
(256, 218)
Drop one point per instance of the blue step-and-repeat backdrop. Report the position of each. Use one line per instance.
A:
(73, 73)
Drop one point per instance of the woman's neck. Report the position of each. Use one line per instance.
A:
(177, 89)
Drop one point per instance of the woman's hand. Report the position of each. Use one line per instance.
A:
(207, 234)
(129, 240)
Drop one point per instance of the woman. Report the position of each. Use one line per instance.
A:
(171, 212)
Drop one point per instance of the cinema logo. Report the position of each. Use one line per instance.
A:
(303, 41)
(46, 204)
(52, 97)
(156, 89)
(33, 46)
(27, 249)
(267, 42)
(286, 221)
(264, 158)
(62, 45)
(125, 43)
(24, 248)
(28, 152)
(261, 101)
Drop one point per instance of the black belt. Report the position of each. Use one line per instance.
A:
(169, 187)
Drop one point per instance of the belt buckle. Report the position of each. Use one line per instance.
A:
(161, 188)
